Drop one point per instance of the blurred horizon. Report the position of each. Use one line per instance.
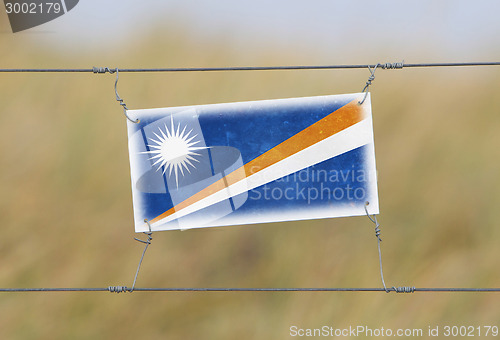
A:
(416, 31)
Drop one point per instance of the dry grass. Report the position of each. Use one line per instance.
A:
(66, 214)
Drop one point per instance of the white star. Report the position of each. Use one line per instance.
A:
(174, 150)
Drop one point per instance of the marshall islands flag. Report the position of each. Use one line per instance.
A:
(252, 162)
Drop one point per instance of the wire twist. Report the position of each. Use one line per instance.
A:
(120, 100)
(377, 234)
(117, 289)
(379, 239)
(374, 220)
(368, 83)
(404, 289)
(392, 66)
(371, 78)
(102, 70)
(147, 243)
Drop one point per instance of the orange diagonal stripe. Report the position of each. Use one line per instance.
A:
(335, 122)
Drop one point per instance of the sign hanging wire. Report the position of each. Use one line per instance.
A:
(373, 218)
(117, 96)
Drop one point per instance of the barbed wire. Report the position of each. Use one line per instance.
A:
(397, 65)
(121, 289)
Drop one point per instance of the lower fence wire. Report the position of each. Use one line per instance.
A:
(116, 289)
(147, 242)
(123, 289)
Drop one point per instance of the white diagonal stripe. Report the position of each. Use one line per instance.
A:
(346, 140)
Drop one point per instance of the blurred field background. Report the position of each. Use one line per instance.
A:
(66, 207)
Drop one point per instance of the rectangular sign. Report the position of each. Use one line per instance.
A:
(252, 162)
